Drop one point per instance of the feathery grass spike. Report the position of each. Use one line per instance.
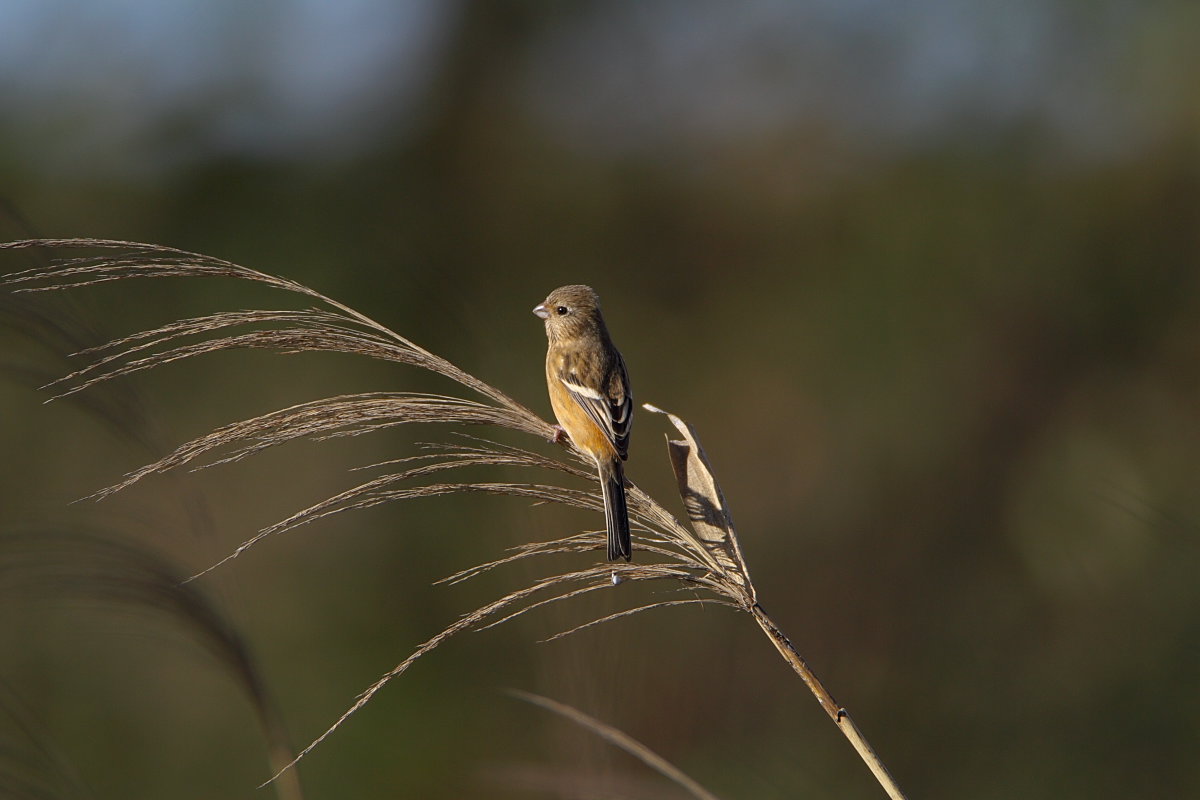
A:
(705, 557)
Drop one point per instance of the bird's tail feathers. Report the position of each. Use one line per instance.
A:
(616, 513)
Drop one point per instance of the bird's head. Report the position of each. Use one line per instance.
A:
(570, 311)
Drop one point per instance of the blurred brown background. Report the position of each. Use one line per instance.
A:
(923, 276)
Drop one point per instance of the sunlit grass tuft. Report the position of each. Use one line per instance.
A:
(703, 555)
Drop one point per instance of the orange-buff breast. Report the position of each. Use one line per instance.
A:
(586, 435)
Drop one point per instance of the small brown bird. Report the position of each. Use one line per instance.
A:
(589, 391)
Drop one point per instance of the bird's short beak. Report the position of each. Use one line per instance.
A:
(542, 311)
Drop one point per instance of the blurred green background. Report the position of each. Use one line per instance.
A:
(923, 275)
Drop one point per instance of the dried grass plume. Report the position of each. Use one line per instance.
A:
(703, 554)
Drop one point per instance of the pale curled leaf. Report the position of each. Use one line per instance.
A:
(705, 504)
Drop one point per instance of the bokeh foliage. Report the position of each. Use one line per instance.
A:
(946, 372)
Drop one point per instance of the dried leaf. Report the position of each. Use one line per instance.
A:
(704, 503)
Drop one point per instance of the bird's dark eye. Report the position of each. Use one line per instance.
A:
(561, 310)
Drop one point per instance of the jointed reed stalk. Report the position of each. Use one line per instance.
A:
(704, 556)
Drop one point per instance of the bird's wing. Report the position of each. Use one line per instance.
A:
(611, 408)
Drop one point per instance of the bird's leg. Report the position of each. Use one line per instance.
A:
(560, 436)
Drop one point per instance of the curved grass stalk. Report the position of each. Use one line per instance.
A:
(704, 554)
(57, 564)
(620, 739)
